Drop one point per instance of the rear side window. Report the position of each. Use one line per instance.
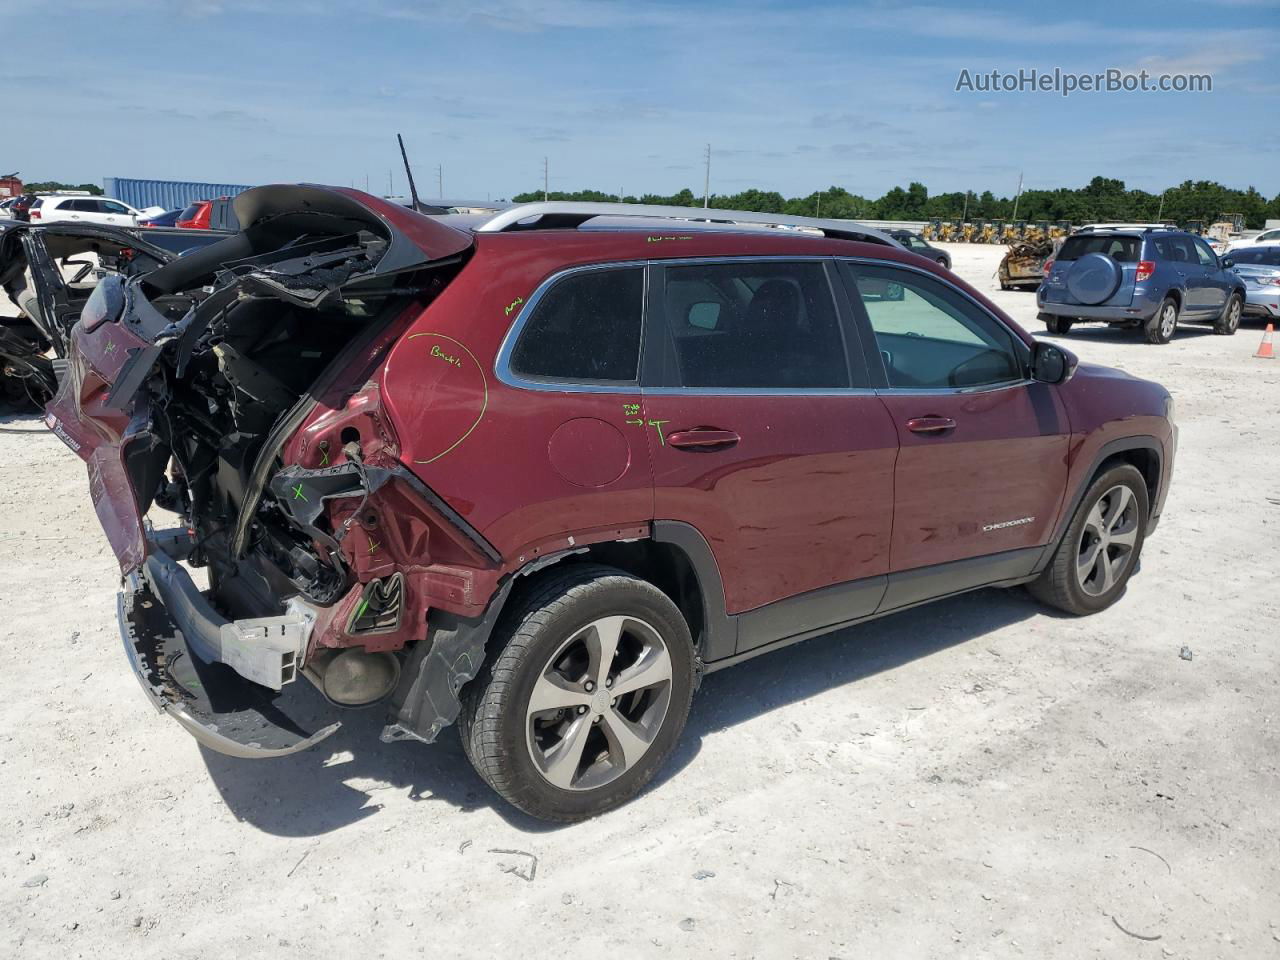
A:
(190, 212)
(1175, 249)
(1118, 248)
(754, 324)
(586, 327)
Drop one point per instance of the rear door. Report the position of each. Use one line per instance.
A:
(764, 434)
(1188, 272)
(983, 463)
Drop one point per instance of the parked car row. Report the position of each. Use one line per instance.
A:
(216, 214)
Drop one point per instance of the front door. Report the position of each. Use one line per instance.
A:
(983, 464)
(764, 435)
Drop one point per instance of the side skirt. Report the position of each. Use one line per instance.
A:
(900, 591)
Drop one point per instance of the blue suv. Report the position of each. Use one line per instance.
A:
(1141, 277)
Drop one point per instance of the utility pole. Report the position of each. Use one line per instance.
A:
(965, 216)
(391, 184)
(1160, 212)
(546, 179)
(706, 183)
(366, 183)
(1017, 198)
(440, 179)
(817, 207)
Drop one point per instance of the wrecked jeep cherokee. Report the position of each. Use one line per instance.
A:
(536, 473)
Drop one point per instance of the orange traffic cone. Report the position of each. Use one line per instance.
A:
(1264, 348)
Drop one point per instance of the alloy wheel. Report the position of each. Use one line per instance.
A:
(1233, 314)
(598, 703)
(1107, 541)
(1168, 319)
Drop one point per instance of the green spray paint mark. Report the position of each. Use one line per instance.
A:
(324, 456)
(297, 493)
(657, 425)
(512, 305)
(364, 605)
(111, 347)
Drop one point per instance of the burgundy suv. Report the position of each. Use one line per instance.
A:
(539, 473)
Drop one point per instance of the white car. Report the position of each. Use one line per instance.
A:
(1267, 238)
(57, 207)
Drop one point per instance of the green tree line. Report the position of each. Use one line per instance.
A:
(1102, 199)
(52, 186)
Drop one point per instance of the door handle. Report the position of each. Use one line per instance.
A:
(930, 424)
(702, 438)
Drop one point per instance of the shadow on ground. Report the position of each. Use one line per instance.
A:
(1124, 336)
(320, 790)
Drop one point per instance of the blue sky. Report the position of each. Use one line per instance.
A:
(792, 96)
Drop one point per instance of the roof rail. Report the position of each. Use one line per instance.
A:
(562, 214)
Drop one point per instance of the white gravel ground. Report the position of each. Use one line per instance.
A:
(979, 778)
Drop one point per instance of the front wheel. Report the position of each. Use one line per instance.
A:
(1100, 549)
(587, 697)
(1228, 321)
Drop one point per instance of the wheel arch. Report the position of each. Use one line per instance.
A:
(1143, 452)
(676, 559)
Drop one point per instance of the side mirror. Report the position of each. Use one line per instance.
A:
(1050, 363)
(704, 315)
(1227, 263)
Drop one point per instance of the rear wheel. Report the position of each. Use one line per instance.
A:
(1160, 327)
(1100, 549)
(587, 697)
(1228, 321)
(1058, 324)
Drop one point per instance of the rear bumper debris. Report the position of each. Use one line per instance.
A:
(193, 672)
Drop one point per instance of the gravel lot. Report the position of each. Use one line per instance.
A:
(978, 778)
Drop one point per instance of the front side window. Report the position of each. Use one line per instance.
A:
(110, 206)
(754, 324)
(1206, 255)
(586, 327)
(930, 337)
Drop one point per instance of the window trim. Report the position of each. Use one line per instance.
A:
(502, 364)
(662, 344)
(871, 348)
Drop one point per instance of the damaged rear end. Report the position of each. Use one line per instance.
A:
(237, 388)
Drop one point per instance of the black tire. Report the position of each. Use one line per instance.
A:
(1228, 321)
(1060, 585)
(1161, 325)
(493, 724)
(1059, 325)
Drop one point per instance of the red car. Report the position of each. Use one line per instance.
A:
(538, 473)
(216, 214)
(195, 216)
